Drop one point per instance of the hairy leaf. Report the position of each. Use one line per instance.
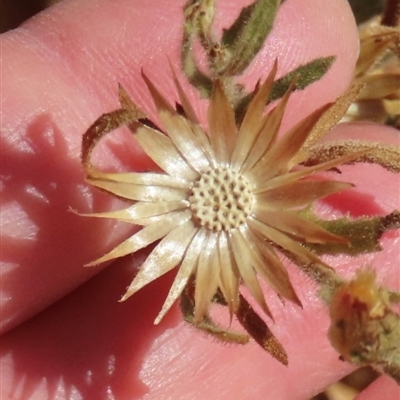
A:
(363, 233)
(307, 74)
(246, 36)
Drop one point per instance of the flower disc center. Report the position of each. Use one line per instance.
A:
(221, 199)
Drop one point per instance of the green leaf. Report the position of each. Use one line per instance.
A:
(247, 34)
(307, 74)
(363, 233)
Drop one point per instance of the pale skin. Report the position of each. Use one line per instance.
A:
(60, 73)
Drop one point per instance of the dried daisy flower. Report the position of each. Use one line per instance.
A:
(365, 328)
(226, 200)
(231, 196)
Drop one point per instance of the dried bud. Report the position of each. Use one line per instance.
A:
(365, 329)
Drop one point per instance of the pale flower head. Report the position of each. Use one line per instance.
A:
(227, 199)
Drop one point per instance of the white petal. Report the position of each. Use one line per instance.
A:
(165, 256)
(179, 130)
(230, 276)
(204, 141)
(252, 121)
(243, 259)
(270, 267)
(140, 192)
(291, 177)
(186, 142)
(269, 132)
(141, 210)
(145, 236)
(163, 152)
(300, 193)
(285, 242)
(208, 271)
(289, 222)
(221, 122)
(160, 101)
(277, 159)
(186, 270)
(190, 114)
(138, 178)
(185, 103)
